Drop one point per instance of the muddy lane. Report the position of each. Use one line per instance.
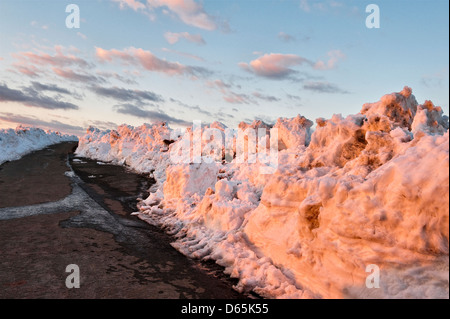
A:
(61, 210)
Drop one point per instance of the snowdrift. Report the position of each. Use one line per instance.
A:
(16, 143)
(369, 190)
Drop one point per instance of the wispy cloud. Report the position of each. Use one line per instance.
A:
(33, 64)
(286, 37)
(30, 97)
(49, 87)
(293, 97)
(229, 95)
(82, 35)
(438, 79)
(264, 97)
(184, 54)
(71, 75)
(25, 69)
(192, 107)
(153, 116)
(133, 4)
(121, 94)
(323, 87)
(328, 6)
(188, 11)
(173, 37)
(237, 98)
(149, 61)
(38, 25)
(116, 76)
(59, 59)
(334, 57)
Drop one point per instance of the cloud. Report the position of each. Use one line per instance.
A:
(438, 79)
(286, 37)
(58, 60)
(192, 107)
(222, 116)
(329, 6)
(149, 61)
(29, 70)
(37, 25)
(34, 121)
(117, 77)
(188, 11)
(81, 35)
(219, 84)
(187, 55)
(30, 97)
(274, 65)
(33, 63)
(323, 87)
(173, 38)
(49, 87)
(228, 95)
(334, 57)
(153, 116)
(304, 5)
(293, 97)
(267, 98)
(133, 4)
(237, 98)
(75, 76)
(280, 66)
(121, 94)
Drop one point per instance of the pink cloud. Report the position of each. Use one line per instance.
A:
(133, 4)
(187, 55)
(236, 98)
(229, 95)
(29, 70)
(219, 84)
(334, 57)
(274, 65)
(173, 38)
(147, 60)
(75, 76)
(188, 11)
(59, 59)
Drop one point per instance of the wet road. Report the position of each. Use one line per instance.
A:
(57, 210)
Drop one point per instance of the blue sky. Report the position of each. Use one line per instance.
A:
(182, 60)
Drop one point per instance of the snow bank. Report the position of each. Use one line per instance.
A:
(143, 148)
(368, 189)
(16, 143)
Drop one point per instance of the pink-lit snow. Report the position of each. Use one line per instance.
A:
(367, 189)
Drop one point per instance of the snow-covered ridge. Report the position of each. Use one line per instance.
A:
(23, 140)
(368, 189)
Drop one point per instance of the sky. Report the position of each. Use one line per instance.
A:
(143, 61)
